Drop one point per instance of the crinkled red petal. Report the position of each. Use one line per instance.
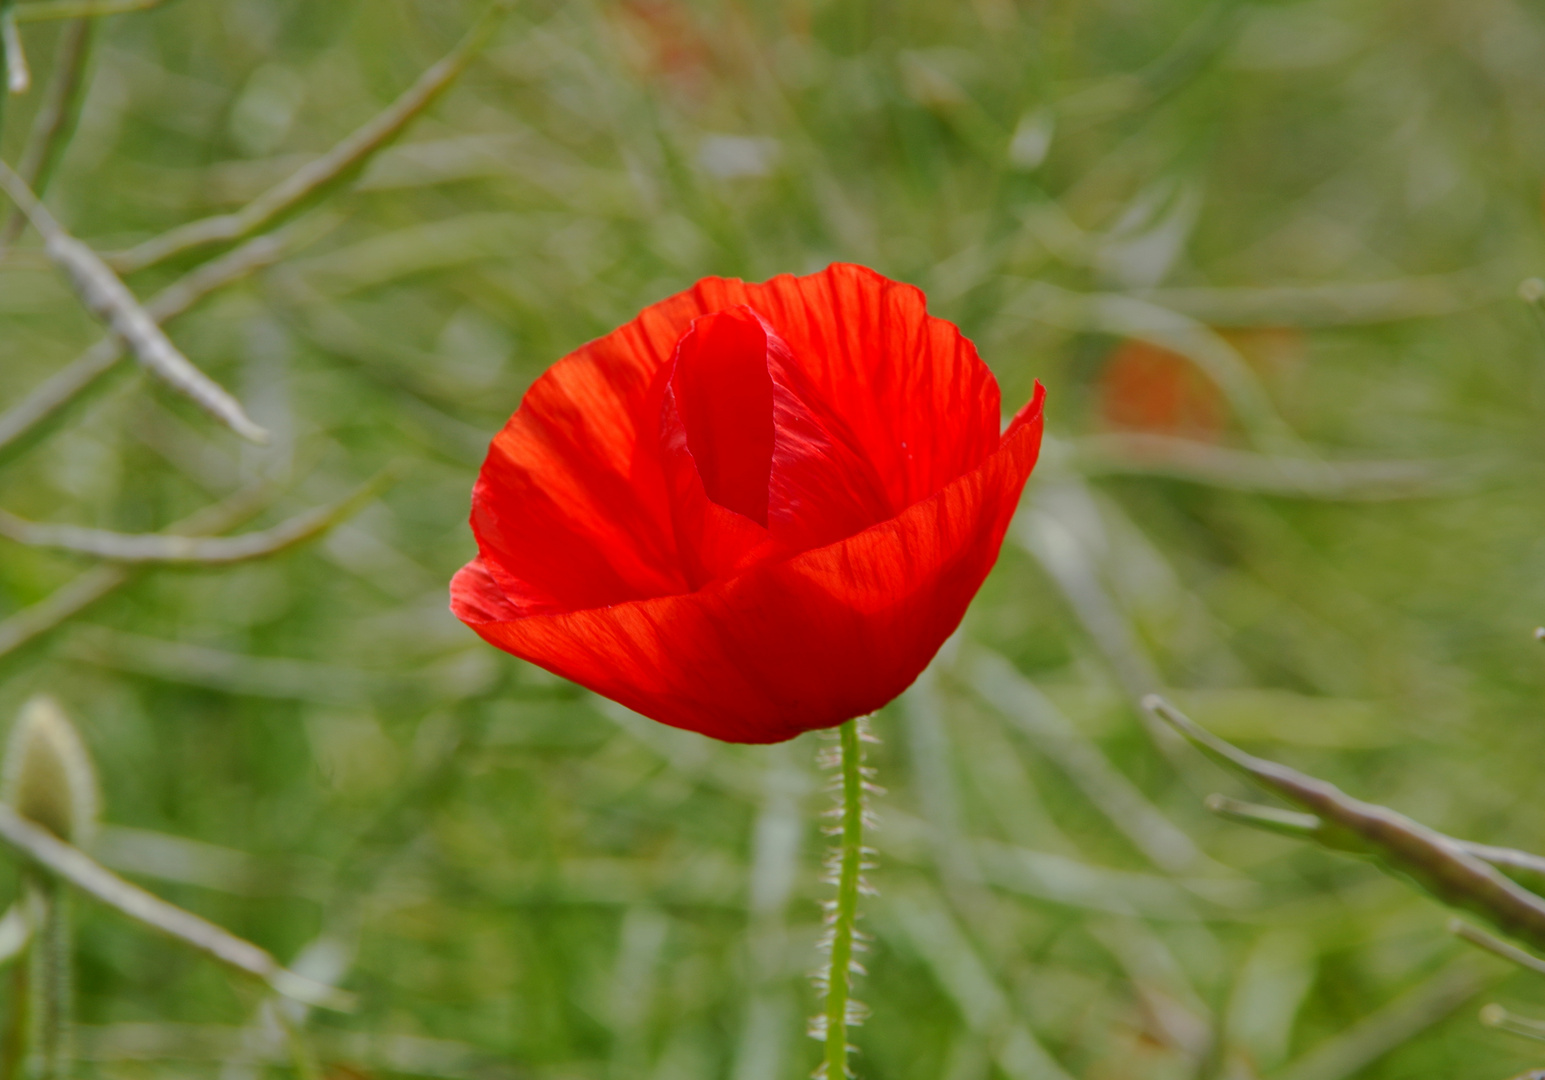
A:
(788, 646)
(572, 510)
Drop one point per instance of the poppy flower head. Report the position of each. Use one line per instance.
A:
(754, 510)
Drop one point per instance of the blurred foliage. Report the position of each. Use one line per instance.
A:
(1327, 546)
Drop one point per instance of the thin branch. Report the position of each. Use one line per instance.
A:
(336, 166)
(205, 551)
(110, 300)
(80, 593)
(1496, 946)
(73, 866)
(1523, 867)
(80, 9)
(1495, 1016)
(55, 119)
(50, 399)
(1429, 859)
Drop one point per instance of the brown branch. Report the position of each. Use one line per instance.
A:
(1523, 867)
(1496, 946)
(1434, 862)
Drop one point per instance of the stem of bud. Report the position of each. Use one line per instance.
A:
(51, 979)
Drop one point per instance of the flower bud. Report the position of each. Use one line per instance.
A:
(48, 776)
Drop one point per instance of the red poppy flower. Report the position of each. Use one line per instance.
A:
(754, 510)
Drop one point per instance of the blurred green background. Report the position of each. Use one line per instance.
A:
(1263, 256)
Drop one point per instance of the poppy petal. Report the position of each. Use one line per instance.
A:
(754, 469)
(720, 401)
(929, 410)
(822, 487)
(570, 507)
(787, 646)
(713, 540)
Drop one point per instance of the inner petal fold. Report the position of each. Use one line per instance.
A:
(724, 396)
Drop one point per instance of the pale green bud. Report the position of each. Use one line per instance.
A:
(48, 776)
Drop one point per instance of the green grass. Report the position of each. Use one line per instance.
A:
(548, 888)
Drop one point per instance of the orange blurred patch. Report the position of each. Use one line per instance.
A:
(1144, 387)
(1148, 388)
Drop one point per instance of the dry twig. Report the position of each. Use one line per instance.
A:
(49, 400)
(1525, 868)
(110, 300)
(1438, 864)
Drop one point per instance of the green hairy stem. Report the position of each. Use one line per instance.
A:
(847, 863)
